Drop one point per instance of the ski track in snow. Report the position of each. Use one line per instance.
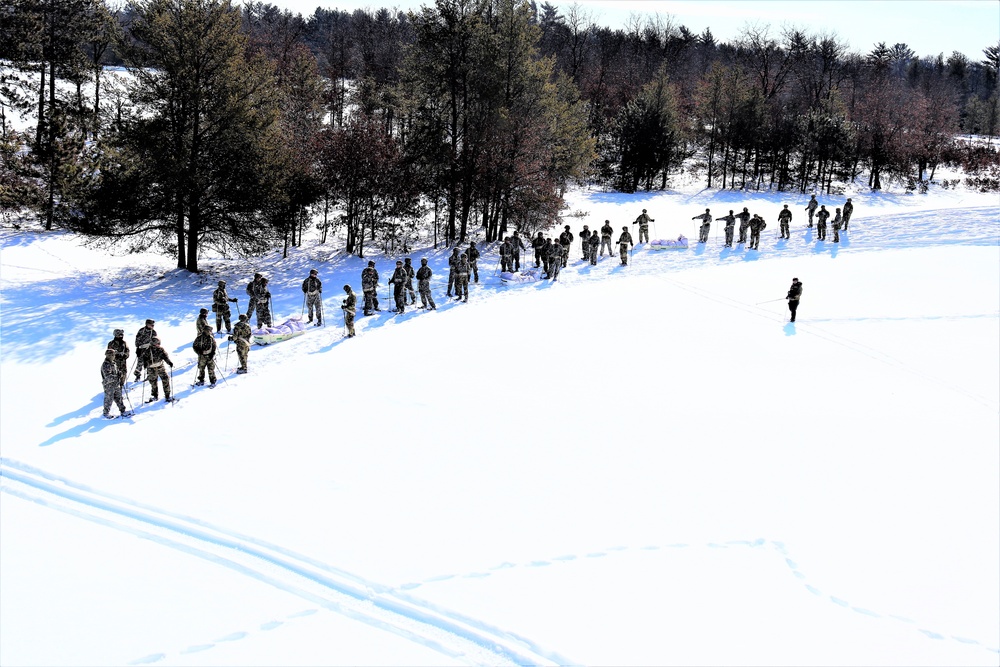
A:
(380, 606)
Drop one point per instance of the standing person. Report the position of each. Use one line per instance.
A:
(518, 247)
(263, 297)
(730, 221)
(624, 243)
(350, 307)
(757, 225)
(706, 225)
(595, 240)
(312, 287)
(538, 244)
(252, 294)
(157, 357)
(744, 218)
(606, 232)
(821, 219)
(120, 348)
(547, 256)
(242, 334)
(204, 346)
(201, 324)
(220, 304)
(837, 222)
(143, 339)
(794, 294)
(811, 208)
(408, 267)
(462, 278)
(506, 261)
(452, 265)
(424, 274)
(643, 221)
(585, 243)
(112, 379)
(473, 254)
(565, 240)
(398, 282)
(784, 220)
(848, 210)
(555, 260)
(369, 287)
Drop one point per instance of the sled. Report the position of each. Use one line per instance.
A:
(531, 275)
(290, 328)
(681, 243)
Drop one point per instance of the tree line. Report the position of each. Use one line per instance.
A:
(237, 127)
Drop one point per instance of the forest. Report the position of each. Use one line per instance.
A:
(187, 125)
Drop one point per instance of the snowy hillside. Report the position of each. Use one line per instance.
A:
(641, 465)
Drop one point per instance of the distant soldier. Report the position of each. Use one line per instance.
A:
(811, 208)
(821, 217)
(120, 348)
(112, 379)
(369, 288)
(538, 244)
(585, 243)
(424, 274)
(350, 307)
(506, 256)
(757, 225)
(595, 240)
(201, 324)
(547, 256)
(555, 260)
(518, 247)
(398, 282)
(312, 287)
(848, 210)
(565, 240)
(606, 232)
(730, 221)
(452, 264)
(706, 225)
(242, 334)
(220, 304)
(157, 358)
(408, 267)
(263, 298)
(204, 346)
(252, 294)
(794, 294)
(462, 278)
(624, 243)
(837, 222)
(784, 220)
(473, 254)
(643, 221)
(143, 339)
(744, 218)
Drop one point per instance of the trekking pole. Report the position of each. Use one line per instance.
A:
(496, 267)
(238, 309)
(221, 374)
(303, 310)
(142, 396)
(171, 384)
(771, 301)
(322, 315)
(227, 354)
(130, 406)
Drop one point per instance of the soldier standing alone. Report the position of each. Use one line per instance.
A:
(794, 294)
(112, 380)
(643, 221)
(312, 287)
(784, 219)
(848, 210)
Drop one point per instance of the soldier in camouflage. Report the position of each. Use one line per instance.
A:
(350, 307)
(848, 210)
(811, 208)
(757, 225)
(506, 256)
(821, 217)
(538, 244)
(424, 274)
(220, 304)
(643, 221)
(462, 278)
(565, 240)
(624, 243)
(398, 282)
(706, 224)
(201, 324)
(730, 221)
(794, 294)
(585, 243)
(837, 222)
(112, 379)
(744, 218)
(242, 334)
(452, 264)
(369, 288)
(204, 346)
(252, 294)
(154, 369)
(606, 233)
(784, 220)
(120, 348)
(555, 260)
(143, 339)
(595, 240)
(547, 256)
(518, 247)
(312, 287)
(408, 267)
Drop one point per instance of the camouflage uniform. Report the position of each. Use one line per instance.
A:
(369, 288)
(821, 219)
(120, 348)
(784, 220)
(506, 256)
(547, 256)
(624, 243)
(113, 379)
(201, 324)
(350, 308)
(143, 337)
(595, 240)
(398, 282)
(565, 240)
(744, 218)
(606, 233)
(730, 221)
(252, 295)
(408, 267)
(706, 224)
(462, 278)
(312, 287)
(517, 246)
(263, 298)
(242, 334)
(538, 244)
(220, 304)
(585, 243)
(643, 221)
(157, 358)
(204, 346)
(424, 274)
(837, 221)
(848, 210)
(757, 225)
(555, 260)
(452, 263)
(794, 294)
(811, 208)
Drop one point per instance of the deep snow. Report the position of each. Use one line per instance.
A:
(642, 465)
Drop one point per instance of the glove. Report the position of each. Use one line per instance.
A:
(230, 339)
(268, 295)
(234, 300)
(171, 365)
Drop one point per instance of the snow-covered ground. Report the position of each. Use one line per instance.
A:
(642, 465)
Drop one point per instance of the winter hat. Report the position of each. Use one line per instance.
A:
(423, 261)
(407, 260)
(347, 288)
(203, 311)
(156, 341)
(150, 322)
(109, 352)
(257, 275)
(243, 318)
(399, 263)
(314, 272)
(371, 262)
(119, 332)
(222, 283)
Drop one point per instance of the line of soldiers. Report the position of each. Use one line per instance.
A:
(756, 224)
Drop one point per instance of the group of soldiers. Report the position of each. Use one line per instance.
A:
(755, 223)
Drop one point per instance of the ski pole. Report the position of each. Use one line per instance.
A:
(322, 315)
(221, 374)
(127, 398)
(496, 267)
(238, 308)
(171, 384)
(771, 301)
(227, 354)
(303, 310)
(142, 396)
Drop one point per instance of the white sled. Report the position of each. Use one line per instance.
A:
(531, 275)
(290, 328)
(681, 243)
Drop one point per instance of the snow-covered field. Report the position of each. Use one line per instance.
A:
(642, 465)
